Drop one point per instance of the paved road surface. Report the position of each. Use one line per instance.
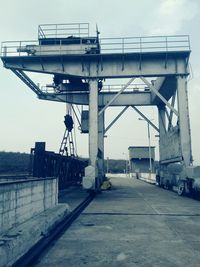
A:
(134, 224)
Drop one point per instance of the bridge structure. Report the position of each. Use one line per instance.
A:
(80, 65)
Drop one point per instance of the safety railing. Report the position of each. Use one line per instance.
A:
(145, 44)
(63, 30)
(53, 47)
(107, 88)
(90, 47)
(15, 48)
(136, 87)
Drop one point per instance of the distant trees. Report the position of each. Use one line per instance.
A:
(115, 165)
(16, 163)
(12, 162)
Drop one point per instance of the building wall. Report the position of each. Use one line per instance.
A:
(21, 200)
(141, 152)
(141, 165)
(139, 158)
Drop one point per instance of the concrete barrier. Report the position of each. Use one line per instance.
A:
(28, 211)
(118, 175)
(147, 177)
(22, 200)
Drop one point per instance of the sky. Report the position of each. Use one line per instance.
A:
(25, 119)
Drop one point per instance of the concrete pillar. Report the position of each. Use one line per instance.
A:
(101, 147)
(184, 123)
(93, 125)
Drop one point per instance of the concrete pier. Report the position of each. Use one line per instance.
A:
(134, 224)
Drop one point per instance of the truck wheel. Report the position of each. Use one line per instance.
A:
(158, 179)
(181, 188)
(167, 185)
(193, 194)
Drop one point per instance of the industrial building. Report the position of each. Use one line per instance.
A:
(141, 159)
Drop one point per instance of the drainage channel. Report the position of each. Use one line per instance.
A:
(30, 258)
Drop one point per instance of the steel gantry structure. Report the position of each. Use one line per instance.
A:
(80, 64)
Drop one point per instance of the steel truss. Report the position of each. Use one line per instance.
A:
(168, 91)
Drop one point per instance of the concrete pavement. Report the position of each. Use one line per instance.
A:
(134, 224)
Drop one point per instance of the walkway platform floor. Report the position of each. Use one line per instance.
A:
(73, 196)
(134, 224)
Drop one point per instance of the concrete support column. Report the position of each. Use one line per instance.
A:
(101, 147)
(184, 123)
(93, 125)
(162, 128)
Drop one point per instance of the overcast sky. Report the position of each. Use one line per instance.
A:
(25, 119)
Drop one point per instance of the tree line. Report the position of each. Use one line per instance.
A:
(16, 162)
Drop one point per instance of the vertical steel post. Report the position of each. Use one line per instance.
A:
(162, 128)
(184, 123)
(149, 139)
(93, 126)
(101, 147)
(107, 165)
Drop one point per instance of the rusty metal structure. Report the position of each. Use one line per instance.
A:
(68, 170)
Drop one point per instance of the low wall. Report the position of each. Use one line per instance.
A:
(118, 175)
(147, 177)
(9, 178)
(22, 200)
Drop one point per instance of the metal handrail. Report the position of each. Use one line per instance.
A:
(116, 87)
(148, 43)
(107, 88)
(108, 45)
(67, 29)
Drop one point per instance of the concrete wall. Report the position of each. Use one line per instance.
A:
(141, 165)
(141, 152)
(9, 178)
(21, 200)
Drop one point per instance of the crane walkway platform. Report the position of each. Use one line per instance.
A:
(133, 224)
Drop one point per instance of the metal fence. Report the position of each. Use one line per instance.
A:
(131, 88)
(107, 46)
(63, 30)
(107, 88)
(68, 170)
(145, 44)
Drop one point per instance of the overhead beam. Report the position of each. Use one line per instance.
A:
(159, 95)
(77, 118)
(157, 85)
(166, 86)
(152, 64)
(144, 117)
(81, 98)
(167, 114)
(20, 74)
(118, 116)
(116, 96)
(171, 112)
